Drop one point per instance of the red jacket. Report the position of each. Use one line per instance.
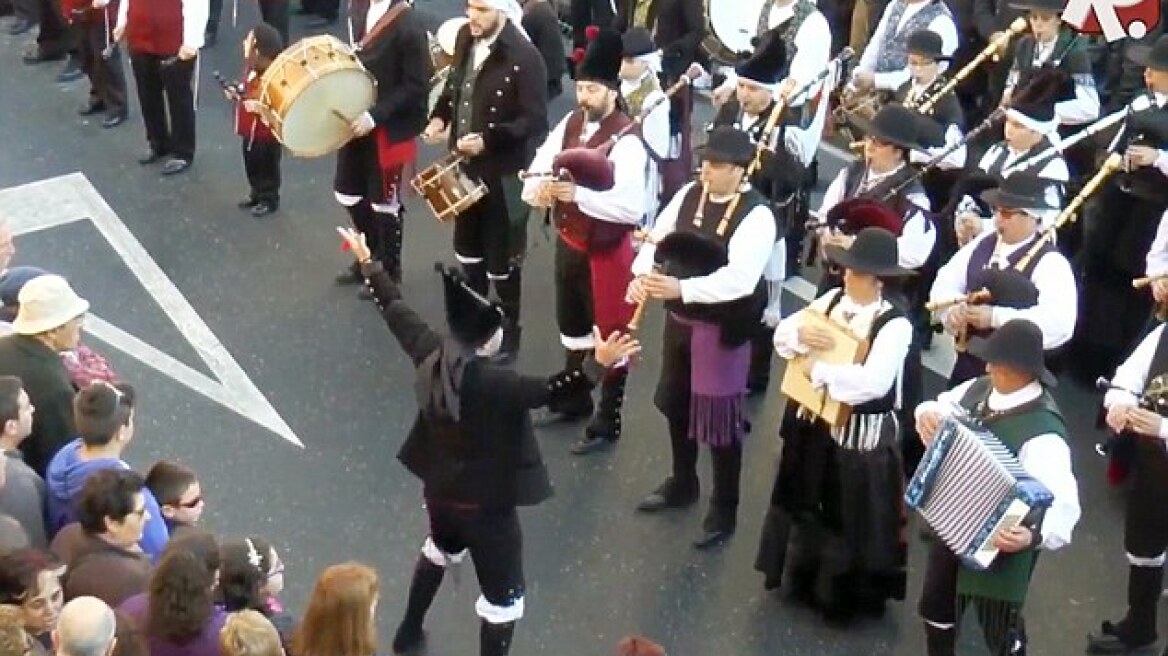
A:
(83, 12)
(247, 124)
(155, 27)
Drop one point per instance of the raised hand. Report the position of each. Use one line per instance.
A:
(615, 348)
(355, 241)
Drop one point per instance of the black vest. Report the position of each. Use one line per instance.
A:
(899, 201)
(979, 260)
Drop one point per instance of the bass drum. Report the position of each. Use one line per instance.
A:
(731, 28)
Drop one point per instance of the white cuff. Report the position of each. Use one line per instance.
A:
(499, 614)
(439, 557)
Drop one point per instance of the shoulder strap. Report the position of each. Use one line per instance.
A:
(387, 19)
(839, 294)
(893, 312)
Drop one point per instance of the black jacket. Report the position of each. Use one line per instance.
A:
(509, 107)
(680, 28)
(543, 26)
(49, 388)
(399, 59)
(490, 457)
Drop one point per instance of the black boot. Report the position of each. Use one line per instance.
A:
(389, 251)
(722, 518)
(476, 278)
(1137, 630)
(574, 409)
(509, 291)
(495, 639)
(423, 588)
(681, 489)
(940, 642)
(605, 428)
(361, 217)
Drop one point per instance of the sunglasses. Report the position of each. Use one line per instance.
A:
(189, 504)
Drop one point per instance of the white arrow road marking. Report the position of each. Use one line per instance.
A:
(70, 198)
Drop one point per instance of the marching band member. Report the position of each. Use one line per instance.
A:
(1145, 527)
(393, 46)
(473, 420)
(779, 179)
(884, 65)
(595, 250)
(1013, 401)
(1115, 314)
(1030, 127)
(493, 112)
(107, 79)
(640, 87)
(1017, 205)
(925, 57)
(261, 150)
(828, 523)
(710, 321)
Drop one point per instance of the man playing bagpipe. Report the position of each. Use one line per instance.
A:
(834, 526)
(705, 259)
(594, 252)
(1013, 401)
(1136, 404)
(1013, 244)
(1120, 225)
(778, 178)
(472, 445)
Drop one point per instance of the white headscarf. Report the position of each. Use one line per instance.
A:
(652, 60)
(512, 11)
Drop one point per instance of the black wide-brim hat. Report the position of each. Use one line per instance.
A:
(927, 43)
(637, 41)
(873, 252)
(1018, 345)
(1153, 56)
(1022, 191)
(1053, 6)
(727, 145)
(894, 124)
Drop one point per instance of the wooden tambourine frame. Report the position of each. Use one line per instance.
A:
(849, 349)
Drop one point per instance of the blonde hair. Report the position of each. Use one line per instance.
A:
(13, 639)
(339, 618)
(249, 633)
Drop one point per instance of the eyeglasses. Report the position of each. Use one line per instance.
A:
(193, 503)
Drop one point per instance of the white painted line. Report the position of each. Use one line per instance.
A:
(66, 199)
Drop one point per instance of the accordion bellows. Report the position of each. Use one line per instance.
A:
(969, 486)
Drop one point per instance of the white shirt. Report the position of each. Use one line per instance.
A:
(852, 383)
(917, 238)
(748, 251)
(482, 48)
(194, 18)
(1084, 108)
(1133, 375)
(942, 25)
(1046, 457)
(812, 50)
(625, 202)
(1058, 298)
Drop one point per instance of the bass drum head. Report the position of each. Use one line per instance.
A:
(312, 126)
(733, 25)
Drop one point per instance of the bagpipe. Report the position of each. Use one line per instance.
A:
(1119, 449)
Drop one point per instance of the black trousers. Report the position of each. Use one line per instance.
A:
(107, 79)
(359, 172)
(495, 542)
(1000, 621)
(573, 276)
(485, 231)
(261, 161)
(167, 100)
(54, 37)
(329, 9)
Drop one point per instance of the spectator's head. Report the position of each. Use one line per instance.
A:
(88, 627)
(11, 282)
(203, 545)
(178, 492)
(52, 312)
(180, 596)
(638, 646)
(246, 570)
(113, 506)
(13, 638)
(104, 415)
(29, 579)
(339, 618)
(249, 633)
(15, 413)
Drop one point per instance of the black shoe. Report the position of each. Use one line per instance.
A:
(21, 26)
(37, 56)
(150, 158)
(247, 203)
(71, 72)
(589, 444)
(114, 120)
(175, 166)
(718, 526)
(264, 208)
(670, 494)
(350, 275)
(320, 22)
(710, 539)
(1106, 641)
(91, 108)
(408, 640)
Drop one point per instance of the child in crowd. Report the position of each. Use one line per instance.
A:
(251, 576)
(261, 150)
(180, 497)
(249, 633)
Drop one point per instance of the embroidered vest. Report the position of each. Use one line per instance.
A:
(577, 229)
(636, 98)
(789, 29)
(893, 52)
(1008, 577)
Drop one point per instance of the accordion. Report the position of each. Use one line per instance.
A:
(969, 486)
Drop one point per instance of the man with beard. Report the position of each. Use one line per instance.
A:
(595, 250)
(392, 45)
(493, 113)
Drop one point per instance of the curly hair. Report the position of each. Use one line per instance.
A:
(180, 597)
(339, 618)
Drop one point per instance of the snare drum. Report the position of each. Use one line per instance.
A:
(313, 91)
(448, 190)
(732, 27)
